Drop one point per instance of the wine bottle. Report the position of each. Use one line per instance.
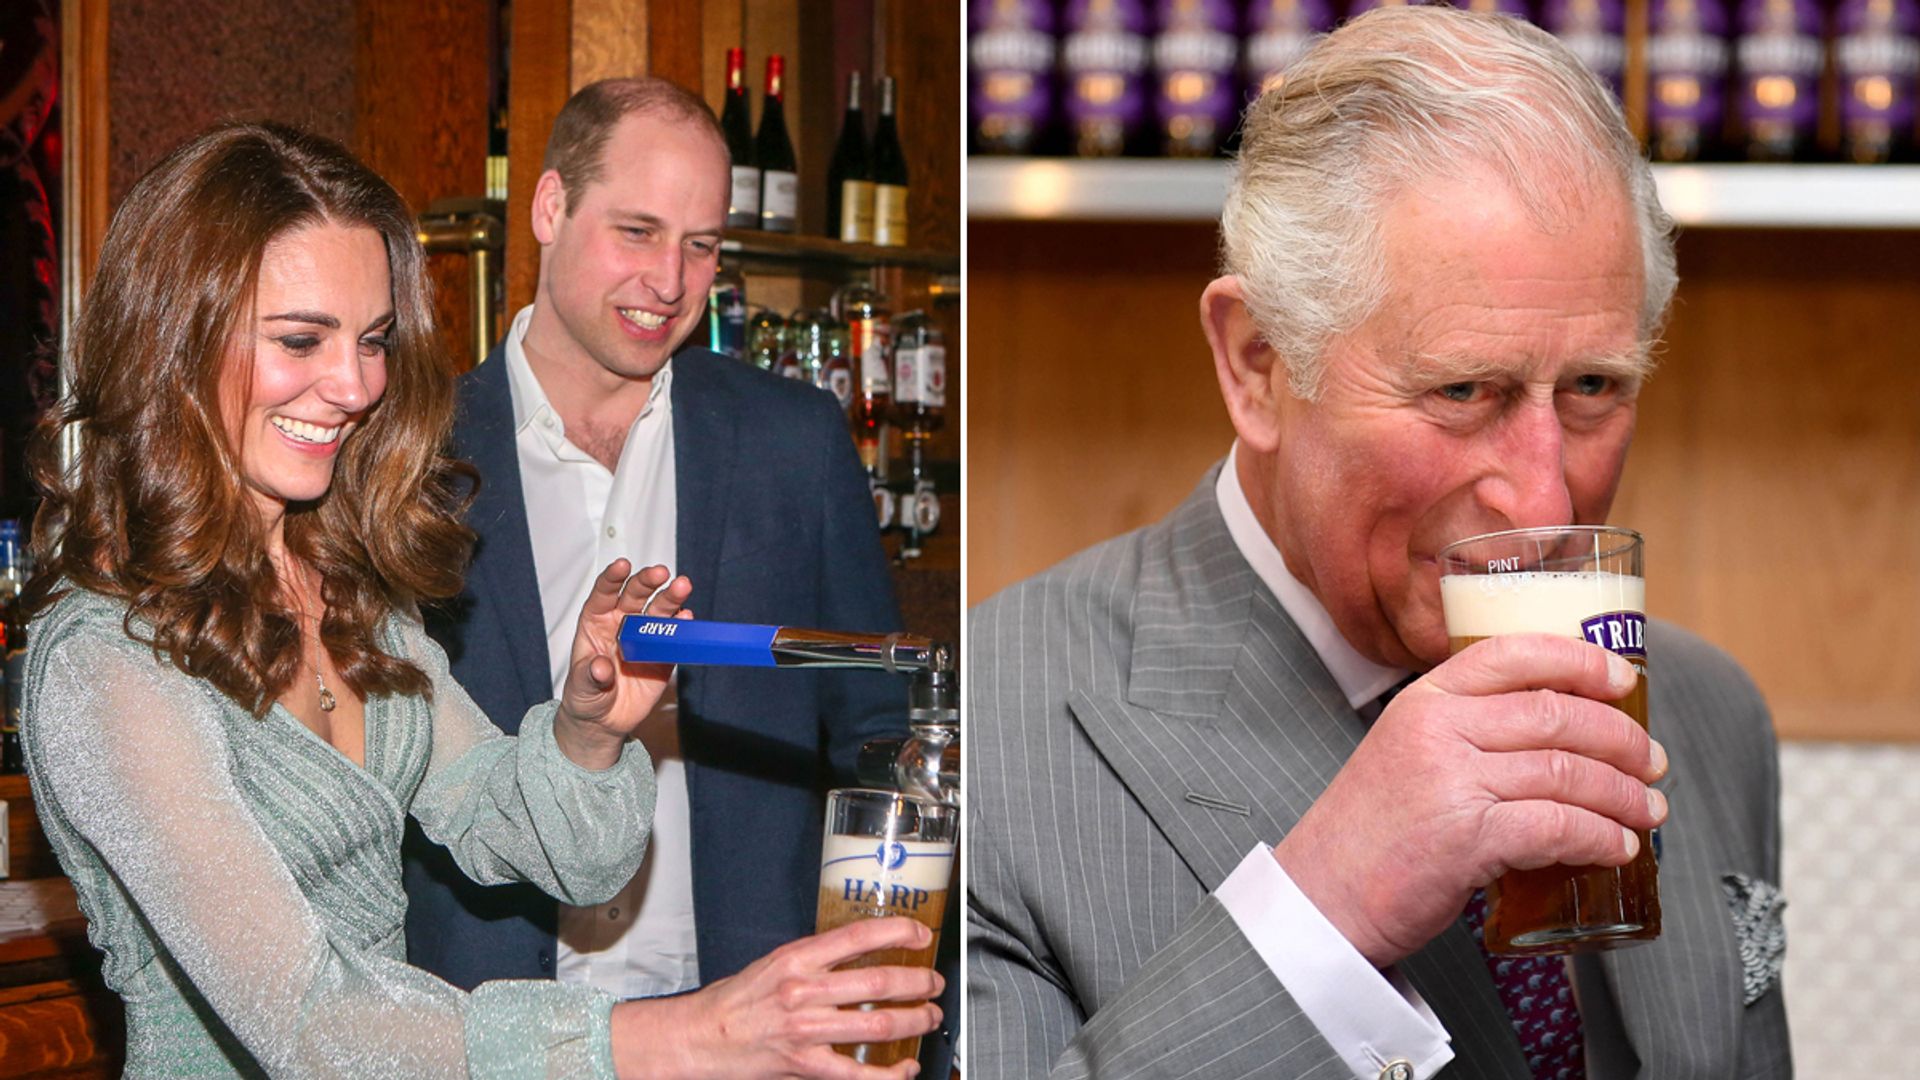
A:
(889, 175)
(850, 175)
(773, 148)
(736, 120)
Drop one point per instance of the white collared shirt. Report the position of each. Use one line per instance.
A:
(1368, 1016)
(582, 517)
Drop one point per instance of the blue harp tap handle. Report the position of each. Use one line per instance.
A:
(652, 639)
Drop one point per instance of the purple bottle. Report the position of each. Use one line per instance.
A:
(1105, 63)
(1876, 55)
(1278, 33)
(1779, 97)
(1594, 31)
(1010, 48)
(1686, 78)
(1361, 7)
(1515, 8)
(1194, 57)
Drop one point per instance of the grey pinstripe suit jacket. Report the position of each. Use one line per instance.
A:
(1144, 713)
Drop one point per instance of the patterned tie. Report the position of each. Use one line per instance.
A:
(1539, 1003)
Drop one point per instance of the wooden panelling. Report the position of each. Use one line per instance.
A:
(422, 123)
(609, 39)
(676, 45)
(60, 1029)
(86, 206)
(1091, 405)
(1776, 470)
(537, 88)
(919, 45)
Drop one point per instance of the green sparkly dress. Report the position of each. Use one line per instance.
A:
(242, 876)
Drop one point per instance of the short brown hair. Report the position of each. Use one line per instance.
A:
(155, 511)
(576, 149)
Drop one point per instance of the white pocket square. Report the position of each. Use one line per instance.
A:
(1757, 907)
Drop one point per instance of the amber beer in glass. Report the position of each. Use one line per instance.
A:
(886, 854)
(1584, 582)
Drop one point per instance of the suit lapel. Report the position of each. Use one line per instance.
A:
(705, 420)
(502, 567)
(1231, 727)
(1678, 997)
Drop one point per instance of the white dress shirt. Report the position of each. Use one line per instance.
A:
(1368, 1016)
(582, 517)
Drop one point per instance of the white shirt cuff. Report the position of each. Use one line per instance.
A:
(1370, 1018)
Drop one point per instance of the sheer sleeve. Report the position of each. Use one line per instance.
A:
(133, 765)
(517, 808)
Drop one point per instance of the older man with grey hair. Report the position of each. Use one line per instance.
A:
(1231, 799)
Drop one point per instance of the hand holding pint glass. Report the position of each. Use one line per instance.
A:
(1576, 581)
(886, 854)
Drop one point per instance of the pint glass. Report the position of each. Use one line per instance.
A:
(886, 854)
(1584, 582)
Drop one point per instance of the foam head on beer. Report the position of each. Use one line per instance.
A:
(1538, 602)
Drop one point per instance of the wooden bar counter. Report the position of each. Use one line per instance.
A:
(56, 1018)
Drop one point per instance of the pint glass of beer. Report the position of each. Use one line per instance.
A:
(1585, 582)
(886, 854)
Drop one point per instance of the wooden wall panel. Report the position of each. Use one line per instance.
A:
(609, 40)
(1776, 471)
(422, 123)
(1091, 403)
(919, 45)
(537, 87)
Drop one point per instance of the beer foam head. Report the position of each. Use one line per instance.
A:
(916, 864)
(1542, 602)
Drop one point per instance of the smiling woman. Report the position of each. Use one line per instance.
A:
(231, 707)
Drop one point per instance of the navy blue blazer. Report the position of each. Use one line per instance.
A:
(775, 525)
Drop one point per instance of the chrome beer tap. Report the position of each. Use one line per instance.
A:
(925, 763)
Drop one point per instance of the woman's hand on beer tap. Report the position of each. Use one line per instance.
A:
(604, 700)
(1502, 758)
(782, 1015)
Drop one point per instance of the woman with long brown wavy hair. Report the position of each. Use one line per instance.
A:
(230, 703)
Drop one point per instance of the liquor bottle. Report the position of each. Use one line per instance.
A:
(1515, 8)
(889, 174)
(1361, 7)
(919, 503)
(1105, 61)
(1010, 45)
(850, 175)
(727, 313)
(1194, 57)
(497, 156)
(773, 149)
(1779, 53)
(787, 361)
(870, 343)
(1686, 79)
(919, 377)
(835, 371)
(1876, 55)
(13, 645)
(1278, 33)
(766, 338)
(736, 121)
(1593, 30)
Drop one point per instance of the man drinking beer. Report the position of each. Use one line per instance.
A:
(1208, 837)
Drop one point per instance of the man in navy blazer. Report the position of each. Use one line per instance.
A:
(773, 523)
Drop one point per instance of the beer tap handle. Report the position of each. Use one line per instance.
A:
(652, 639)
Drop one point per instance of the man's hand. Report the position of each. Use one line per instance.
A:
(781, 1016)
(1502, 758)
(604, 700)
